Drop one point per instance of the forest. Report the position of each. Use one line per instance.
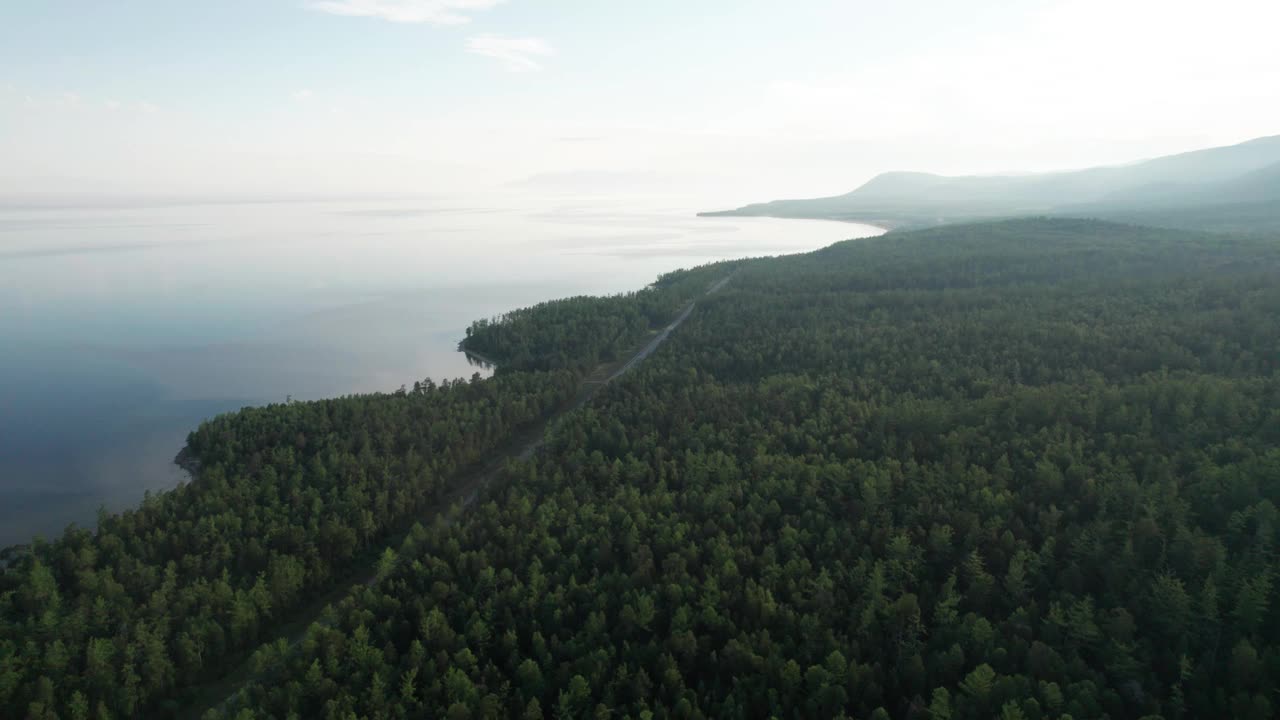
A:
(581, 332)
(1022, 469)
(288, 498)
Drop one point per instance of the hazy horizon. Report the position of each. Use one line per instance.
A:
(722, 102)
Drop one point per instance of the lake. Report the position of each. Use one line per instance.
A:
(124, 324)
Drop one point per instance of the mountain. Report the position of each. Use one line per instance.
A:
(1208, 189)
(1259, 186)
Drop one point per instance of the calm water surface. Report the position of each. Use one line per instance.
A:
(123, 326)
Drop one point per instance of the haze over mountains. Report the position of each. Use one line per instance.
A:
(1226, 188)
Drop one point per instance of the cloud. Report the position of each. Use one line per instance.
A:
(303, 95)
(435, 12)
(517, 54)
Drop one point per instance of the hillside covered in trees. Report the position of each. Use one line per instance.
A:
(1025, 469)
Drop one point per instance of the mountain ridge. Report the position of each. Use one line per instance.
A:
(1211, 180)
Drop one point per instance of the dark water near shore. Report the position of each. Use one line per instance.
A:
(122, 326)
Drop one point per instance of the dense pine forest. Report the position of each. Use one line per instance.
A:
(581, 332)
(291, 500)
(289, 496)
(1025, 469)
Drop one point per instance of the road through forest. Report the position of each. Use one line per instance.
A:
(465, 491)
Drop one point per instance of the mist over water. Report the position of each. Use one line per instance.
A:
(125, 325)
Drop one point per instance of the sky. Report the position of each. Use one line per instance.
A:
(728, 101)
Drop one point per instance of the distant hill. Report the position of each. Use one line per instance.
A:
(1259, 186)
(1226, 188)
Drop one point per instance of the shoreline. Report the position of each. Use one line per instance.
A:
(879, 223)
(187, 462)
(484, 361)
(184, 467)
(461, 495)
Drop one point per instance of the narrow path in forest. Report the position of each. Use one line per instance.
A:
(217, 694)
